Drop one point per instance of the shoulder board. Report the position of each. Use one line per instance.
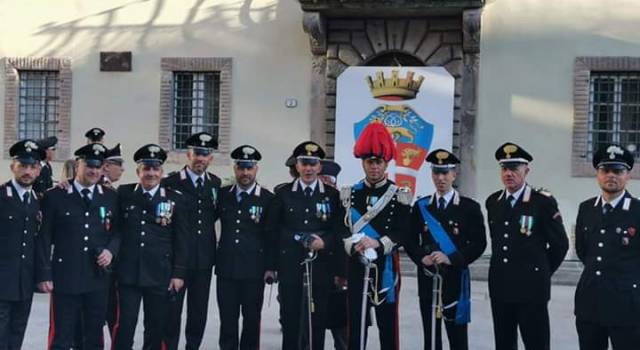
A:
(177, 192)
(404, 195)
(543, 191)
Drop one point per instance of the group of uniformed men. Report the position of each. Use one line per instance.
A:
(101, 252)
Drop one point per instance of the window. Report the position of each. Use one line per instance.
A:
(38, 105)
(614, 111)
(195, 96)
(38, 101)
(606, 107)
(196, 105)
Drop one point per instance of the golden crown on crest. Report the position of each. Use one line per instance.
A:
(396, 87)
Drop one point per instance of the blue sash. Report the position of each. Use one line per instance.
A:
(388, 276)
(463, 310)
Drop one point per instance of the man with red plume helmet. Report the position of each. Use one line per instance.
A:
(377, 213)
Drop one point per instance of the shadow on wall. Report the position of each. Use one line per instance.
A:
(203, 17)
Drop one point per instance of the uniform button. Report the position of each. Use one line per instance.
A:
(306, 210)
(23, 256)
(505, 260)
(506, 235)
(86, 213)
(506, 223)
(24, 244)
(390, 213)
(537, 269)
(86, 238)
(142, 233)
(598, 273)
(85, 249)
(393, 205)
(635, 285)
(600, 244)
(306, 222)
(59, 259)
(144, 212)
(26, 219)
(505, 248)
(237, 221)
(599, 258)
(199, 201)
(142, 222)
(239, 211)
(389, 220)
(237, 241)
(142, 244)
(25, 232)
(86, 225)
(199, 231)
(237, 231)
(199, 211)
(602, 231)
(386, 227)
(199, 222)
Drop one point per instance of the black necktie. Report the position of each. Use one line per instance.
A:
(442, 203)
(308, 191)
(607, 208)
(147, 196)
(199, 183)
(25, 198)
(243, 196)
(85, 196)
(510, 201)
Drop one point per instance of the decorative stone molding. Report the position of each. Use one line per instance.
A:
(471, 30)
(313, 24)
(583, 66)
(169, 65)
(12, 66)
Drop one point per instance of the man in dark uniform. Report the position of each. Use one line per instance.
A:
(528, 244)
(152, 262)
(337, 323)
(378, 218)
(79, 221)
(95, 135)
(606, 301)
(20, 219)
(303, 224)
(461, 218)
(45, 180)
(240, 262)
(200, 190)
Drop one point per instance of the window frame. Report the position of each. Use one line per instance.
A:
(582, 95)
(172, 65)
(12, 68)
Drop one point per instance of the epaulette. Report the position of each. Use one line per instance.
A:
(176, 191)
(543, 191)
(404, 195)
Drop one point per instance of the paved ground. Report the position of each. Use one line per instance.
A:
(563, 334)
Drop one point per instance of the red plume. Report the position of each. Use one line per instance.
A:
(374, 141)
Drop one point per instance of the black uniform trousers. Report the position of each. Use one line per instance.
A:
(13, 323)
(197, 285)
(456, 334)
(67, 309)
(112, 315)
(155, 302)
(593, 336)
(386, 318)
(531, 318)
(237, 296)
(294, 316)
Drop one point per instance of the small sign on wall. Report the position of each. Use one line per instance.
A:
(115, 61)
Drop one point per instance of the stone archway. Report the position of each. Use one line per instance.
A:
(450, 39)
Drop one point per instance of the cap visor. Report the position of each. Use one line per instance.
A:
(27, 160)
(200, 151)
(245, 164)
(613, 166)
(150, 162)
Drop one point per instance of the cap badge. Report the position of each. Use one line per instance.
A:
(613, 150)
(442, 155)
(310, 148)
(508, 149)
(29, 146)
(153, 150)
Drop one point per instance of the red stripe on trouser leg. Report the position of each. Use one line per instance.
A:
(163, 345)
(114, 331)
(52, 324)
